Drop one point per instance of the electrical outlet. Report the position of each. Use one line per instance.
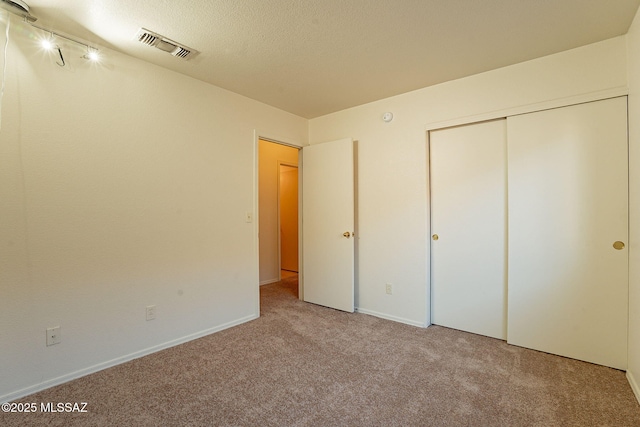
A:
(151, 312)
(53, 336)
(389, 288)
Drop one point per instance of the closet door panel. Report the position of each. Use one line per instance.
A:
(468, 215)
(568, 206)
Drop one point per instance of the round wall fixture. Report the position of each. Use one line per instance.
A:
(387, 117)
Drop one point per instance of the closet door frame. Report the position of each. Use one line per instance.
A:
(503, 114)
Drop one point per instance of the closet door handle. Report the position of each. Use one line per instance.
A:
(435, 237)
(618, 245)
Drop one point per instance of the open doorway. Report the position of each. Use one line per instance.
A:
(288, 219)
(277, 211)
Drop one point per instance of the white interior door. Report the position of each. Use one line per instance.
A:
(468, 222)
(568, 205)
(328, 224)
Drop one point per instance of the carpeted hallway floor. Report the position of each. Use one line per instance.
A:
(305, 365)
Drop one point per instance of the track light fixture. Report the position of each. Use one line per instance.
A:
(20, 8)
(93, 54)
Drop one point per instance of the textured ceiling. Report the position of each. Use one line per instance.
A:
(316, 57)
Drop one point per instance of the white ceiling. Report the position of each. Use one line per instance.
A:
(316, 57)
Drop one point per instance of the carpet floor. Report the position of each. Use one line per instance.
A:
(304, 365)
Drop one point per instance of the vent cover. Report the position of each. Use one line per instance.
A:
(150, 38)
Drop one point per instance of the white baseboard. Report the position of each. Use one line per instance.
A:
(269, 281)
(634, 385)
(119, 360)
(389, 317)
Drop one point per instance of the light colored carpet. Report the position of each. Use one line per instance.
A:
(305, 365)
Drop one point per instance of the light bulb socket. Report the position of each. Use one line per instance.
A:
(92, 54)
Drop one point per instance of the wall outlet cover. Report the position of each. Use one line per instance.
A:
(53, 336)
(151, 312)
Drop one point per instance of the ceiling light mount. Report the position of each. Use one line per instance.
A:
(18, 7)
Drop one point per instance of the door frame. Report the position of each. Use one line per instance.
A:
(255, 209)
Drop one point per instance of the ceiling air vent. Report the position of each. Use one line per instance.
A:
(150, 38)
(147, 38)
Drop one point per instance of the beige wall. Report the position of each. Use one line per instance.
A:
(121, 185)
(270, 155)
(633, 48)
(392, 159)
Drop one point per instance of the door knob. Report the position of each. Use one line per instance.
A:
(435, 237)
(618, 245)
(346, 234)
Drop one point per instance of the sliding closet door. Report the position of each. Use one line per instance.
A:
(468, 221)
(568, 227)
